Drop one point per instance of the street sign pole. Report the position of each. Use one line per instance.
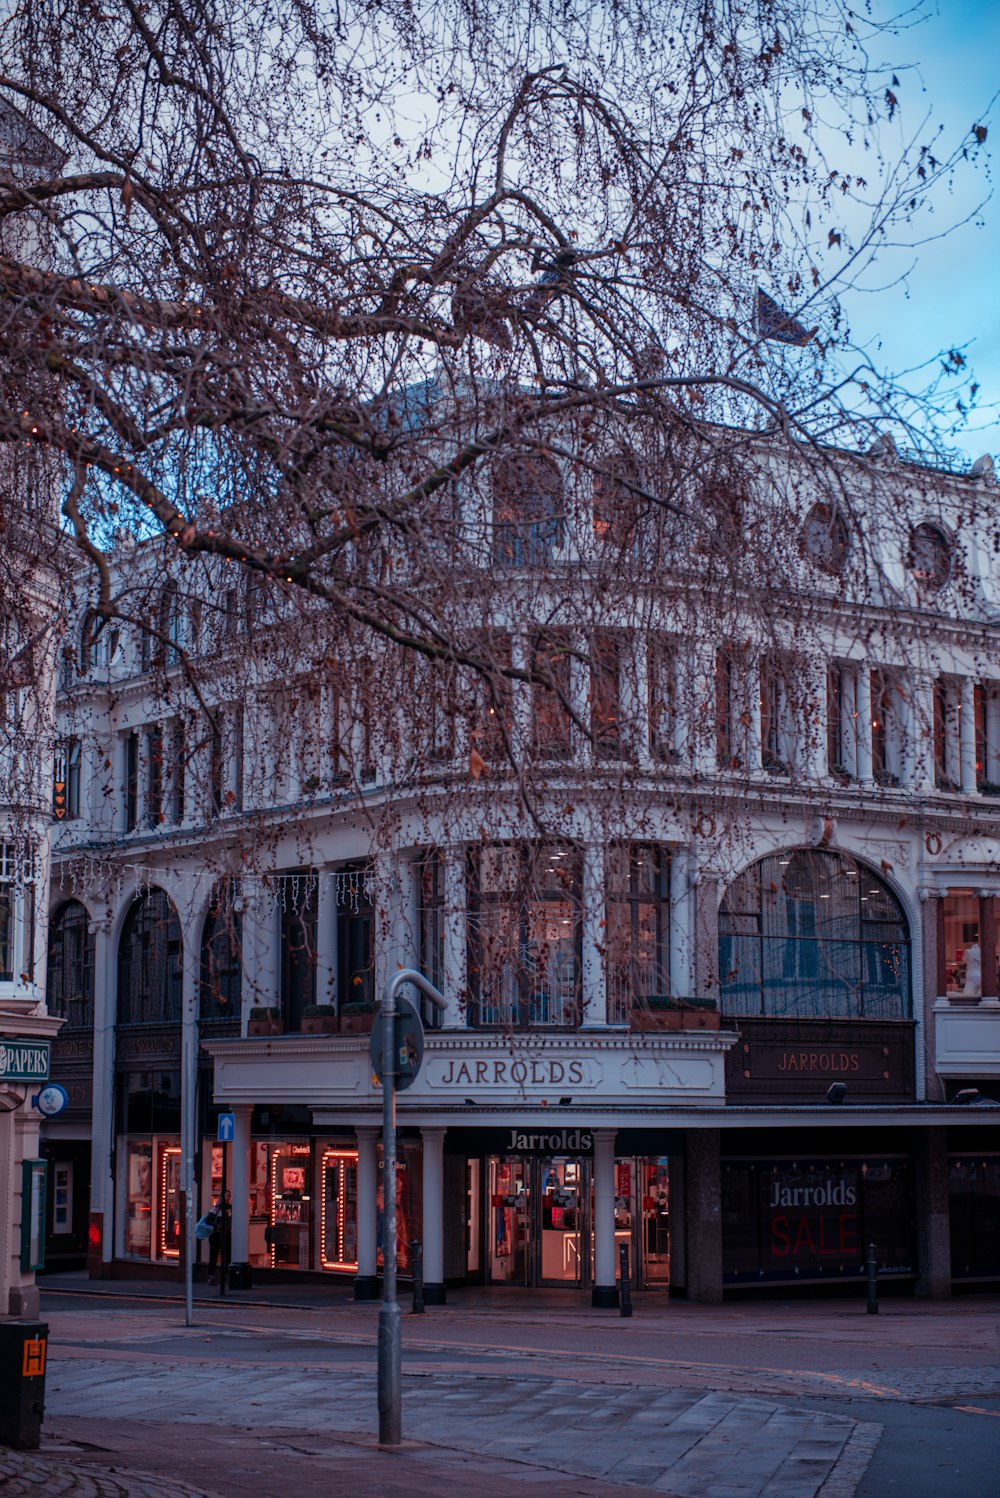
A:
(390, 1370)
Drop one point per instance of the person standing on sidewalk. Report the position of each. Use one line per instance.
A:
(222, 1213)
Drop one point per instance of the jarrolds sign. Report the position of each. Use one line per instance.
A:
(813, 1220)
(551, 1142)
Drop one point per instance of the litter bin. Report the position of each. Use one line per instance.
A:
(23, 1349)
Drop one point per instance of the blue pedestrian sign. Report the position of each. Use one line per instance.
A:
(227, 1128)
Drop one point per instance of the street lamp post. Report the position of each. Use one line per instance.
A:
(389, 1325)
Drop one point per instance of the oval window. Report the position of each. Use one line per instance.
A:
(825, 538)
(930, 555)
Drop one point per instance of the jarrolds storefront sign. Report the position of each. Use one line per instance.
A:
(800, 1220)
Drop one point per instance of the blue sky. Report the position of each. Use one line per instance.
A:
(952, 295)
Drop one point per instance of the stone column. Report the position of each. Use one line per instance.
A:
(635, 699)
(918, 766)
(456, 961)
(520, 698)
(967, 736)
(703, 1216)
(326, 938)
(681, 976)
(933, 1228)
(239, 1250)
(593, 977)
(366, 1279)
(102, 1120)
(433, 1155)
(863, 723)
(812, 717)
(605, 1291)
(754, 747)
(190, 981)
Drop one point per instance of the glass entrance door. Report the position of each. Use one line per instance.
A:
(538, 1221)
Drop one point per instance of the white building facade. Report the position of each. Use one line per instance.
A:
(721, 972)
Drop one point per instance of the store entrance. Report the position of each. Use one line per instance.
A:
(540, 1216)
(538, 1221)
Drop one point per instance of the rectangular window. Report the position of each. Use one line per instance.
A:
(154, 776)
(638, 927)
(178, 770)
(605, 695)
(662, 694)
(130, 755)
(66, 781)
(216, 768)
(551, 660)
(430, 871)
(836, 759)
(725, 739)
(298, 923)
(355, 937)
(525, 932)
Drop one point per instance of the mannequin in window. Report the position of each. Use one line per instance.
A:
(973, 986)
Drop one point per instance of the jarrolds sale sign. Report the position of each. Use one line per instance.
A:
(789, 1220)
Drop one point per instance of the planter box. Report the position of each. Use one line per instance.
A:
(319, 1024)
(269, 1026)
(675, 1019)
(357, 1024)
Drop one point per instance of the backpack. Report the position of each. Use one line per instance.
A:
(205, 1226)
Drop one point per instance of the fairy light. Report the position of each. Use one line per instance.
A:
(342, 1158)
(166, 1154)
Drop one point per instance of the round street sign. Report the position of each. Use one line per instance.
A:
(51, 1100)
(409, 1044)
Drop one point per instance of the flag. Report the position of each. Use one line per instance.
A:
(774, 323)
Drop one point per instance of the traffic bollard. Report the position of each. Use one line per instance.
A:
(23, 1348)
(417, 1260)
(626, 1291)
(872, 1281)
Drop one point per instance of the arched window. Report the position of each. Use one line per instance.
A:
(149, 963)
(810, 934)
(70, 980)
(221, 988)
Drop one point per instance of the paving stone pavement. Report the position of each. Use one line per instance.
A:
(26, 1474)
(685, 1442)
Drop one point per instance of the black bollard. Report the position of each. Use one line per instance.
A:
(872, 1281)
(417, 1260)
(626, 1295)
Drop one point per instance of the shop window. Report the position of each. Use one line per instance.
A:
(139, 1200)
(149, 963)
(290, 1227)
(969, 941)
(974, 1214)
(221, 989)
(355, 936)
(605, 695)
(66, 781)
(339, 1209)
(528, 509)
(430, 872)
(810, 934)
(551, 663)
(297, 920)
(70, 968)
(525, 931)
(638, 928)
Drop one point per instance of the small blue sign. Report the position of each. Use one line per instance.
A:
(227, 1128)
